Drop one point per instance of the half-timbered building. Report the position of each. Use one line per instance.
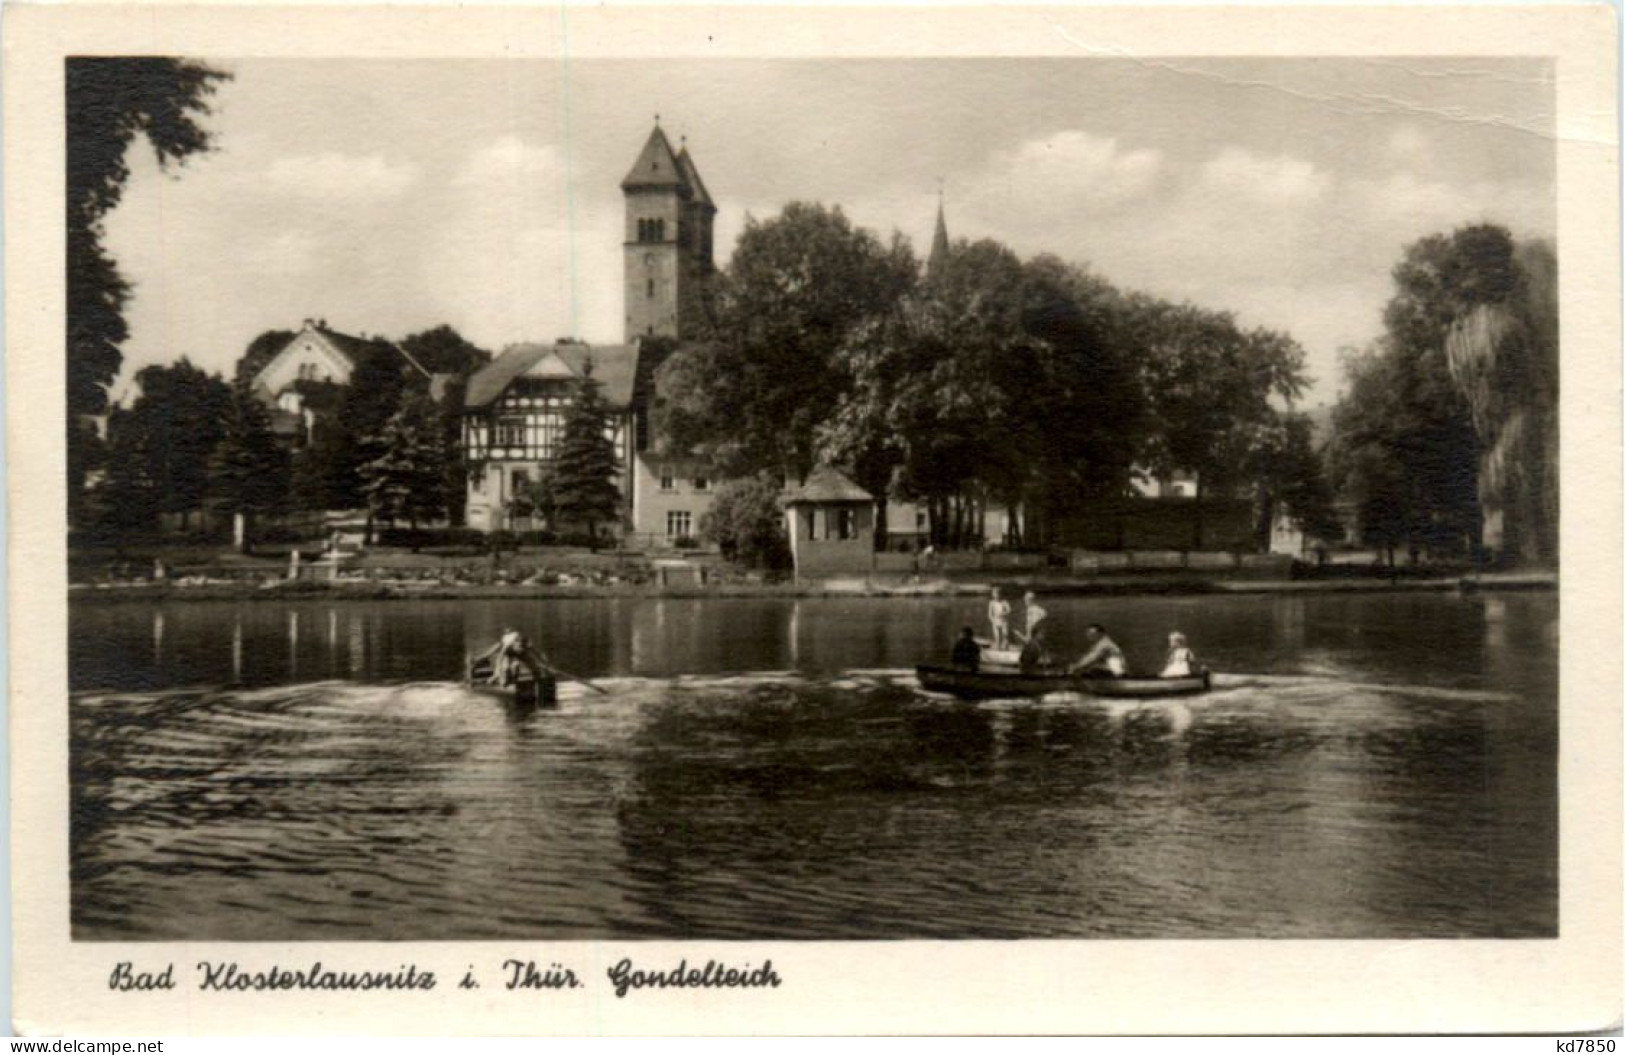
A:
(513, 422)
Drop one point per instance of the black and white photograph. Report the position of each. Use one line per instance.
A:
(798, 499)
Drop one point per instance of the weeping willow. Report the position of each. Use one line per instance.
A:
(1503, 360)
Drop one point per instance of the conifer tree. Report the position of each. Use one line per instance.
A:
(248, 471)
(127, 500)
(406, 480)
(583, 481)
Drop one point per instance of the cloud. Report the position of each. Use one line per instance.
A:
(1068, 171)
(1235, 176)
(340, 176)
(289, 253)
(513, 255)
(1407, 144)
(509, 159)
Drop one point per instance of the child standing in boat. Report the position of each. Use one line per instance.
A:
(1032, 615)
(998, 614)
(1181, 661)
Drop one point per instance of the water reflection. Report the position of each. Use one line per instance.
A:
(356, 638)
(1361, 638)
(293, 644)
(1357, 779)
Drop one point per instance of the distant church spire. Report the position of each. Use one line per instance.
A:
(939, 243)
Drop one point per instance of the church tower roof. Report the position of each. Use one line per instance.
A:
(939, 244)
(685, 162)
(657, 166)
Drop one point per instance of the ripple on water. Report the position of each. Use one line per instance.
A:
(791, 806)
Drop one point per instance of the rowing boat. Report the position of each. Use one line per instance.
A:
(526, 690)
(1004, 657)
(990, 684)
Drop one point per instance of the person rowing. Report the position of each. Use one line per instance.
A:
(1104, 659)
(508, 657)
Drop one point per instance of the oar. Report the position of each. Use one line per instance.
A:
(576, 677)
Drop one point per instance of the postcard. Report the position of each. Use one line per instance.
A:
(597, 520)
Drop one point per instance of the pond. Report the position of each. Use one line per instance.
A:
(1373, 765)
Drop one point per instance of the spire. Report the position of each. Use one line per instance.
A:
(656, 166)
(939, 242)
(692, 174)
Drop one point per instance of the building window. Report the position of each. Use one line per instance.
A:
(702, 484)
(549, 431)
(678, 523)
(510, 432)
(846, 523)
(668, 482)
(651, 289)
(651, 230)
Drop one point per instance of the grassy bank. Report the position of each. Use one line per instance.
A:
(389, 590)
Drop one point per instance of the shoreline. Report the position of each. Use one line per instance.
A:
(852, 588)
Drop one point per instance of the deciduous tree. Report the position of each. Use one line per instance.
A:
(442, 350)
(179, 418)
(110, 101)
(746, 523)
(1503, 357)
(1210, 388)
(796, 285)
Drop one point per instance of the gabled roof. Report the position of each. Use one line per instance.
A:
(348, 347)
(551, 367)
(351, 347)
(695, 184)
(613, 365)
(826, 485)
(355, 348)
(656, 166)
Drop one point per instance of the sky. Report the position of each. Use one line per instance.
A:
(390, 197)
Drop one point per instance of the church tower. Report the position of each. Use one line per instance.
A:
(939, 245)
(669, 217)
